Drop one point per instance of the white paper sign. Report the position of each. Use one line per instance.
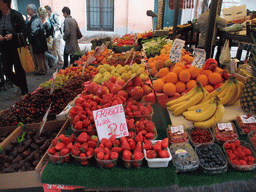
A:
(176, 49)
(248, 120)
(111, 119)
(199, 59)
(54, 75)
(89, 60)
(225, 126)
(178, 129)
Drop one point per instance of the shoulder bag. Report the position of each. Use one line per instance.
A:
(25, 57)
(78, 31)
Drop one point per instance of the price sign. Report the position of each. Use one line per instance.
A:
(109, 121)
(89, 60)
(225, 126)
(100, 49)
(199, 59)
(54, 75)
(176, 49)
(245, 119)
(45, 119)
(178, 129)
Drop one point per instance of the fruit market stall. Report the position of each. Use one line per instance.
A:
(168, 120)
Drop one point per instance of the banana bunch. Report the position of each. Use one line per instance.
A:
(193, 97)
(229, 93)
(206, 114)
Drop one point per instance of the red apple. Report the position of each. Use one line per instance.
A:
(122, 93)
(115, 89)
(102, 90)
(147, 89)
(136, 93)
(120, 82)
(112, 79)
(137, 81)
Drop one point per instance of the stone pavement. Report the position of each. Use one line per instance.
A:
(8, 97)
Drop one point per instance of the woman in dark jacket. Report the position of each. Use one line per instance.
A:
(12, 24)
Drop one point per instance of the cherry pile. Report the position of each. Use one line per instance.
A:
(32, 107)
(200, 136)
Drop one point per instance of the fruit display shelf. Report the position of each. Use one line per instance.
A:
(230, 114)
(29, 178)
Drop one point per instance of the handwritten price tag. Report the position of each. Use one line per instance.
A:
(199, 59)
(176, 49)
(54, 75)
(178, 129)
(245, 119)
(109, 121)
(225, 126)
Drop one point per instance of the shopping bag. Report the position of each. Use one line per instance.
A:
(49, 41)
(26, 59)
(225, 54)
(78, 31)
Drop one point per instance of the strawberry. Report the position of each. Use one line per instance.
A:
(77, 144)
(100, 155)
(90, 152)
(108, 144)
(137, 81)
(94, 138)
(247, 152)
(138, 147)
(147, 144)
(82, 155)
(127, 155)
(82, 138)
(137, 155)
(54, 141)
(59, 146)
(107, 151)
(79, 125)
(61, 137)
(112, 138)
(52, 151)
(92, 144)
(76, 119)
(117, 149)
(106, 157)
(99, 149)
(131, 134)
(139, 137)
(132, 144)
(157, 146)
(64, 152)
(86, 122)
(65, 141)
(150, 127)
(75, 151)
(72, 138)
(125, 145)
(113, 155)
(116, 143)
(122, 139)
(84, 147)
(151, 154)
(163, 154)
(165, 143)
(150, 136)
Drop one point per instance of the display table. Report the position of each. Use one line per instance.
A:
(231, 113)
(144, 177)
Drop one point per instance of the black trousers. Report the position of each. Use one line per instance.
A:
(10, 59)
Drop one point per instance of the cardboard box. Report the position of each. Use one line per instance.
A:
(28, 179)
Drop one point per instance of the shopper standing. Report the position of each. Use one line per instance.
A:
(12, 24)
(37, 39)
(203, 24)
(70, 35)
(57, 33)
(50, 59)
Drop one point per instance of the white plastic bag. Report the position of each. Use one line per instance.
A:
(225, 54)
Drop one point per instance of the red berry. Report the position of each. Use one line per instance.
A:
(247, 152)
(251, 158)
(242, 162)
(227, 145)
(235, 162)
(237, 143)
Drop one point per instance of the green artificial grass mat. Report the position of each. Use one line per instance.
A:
(93, 176)
(199, 178)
